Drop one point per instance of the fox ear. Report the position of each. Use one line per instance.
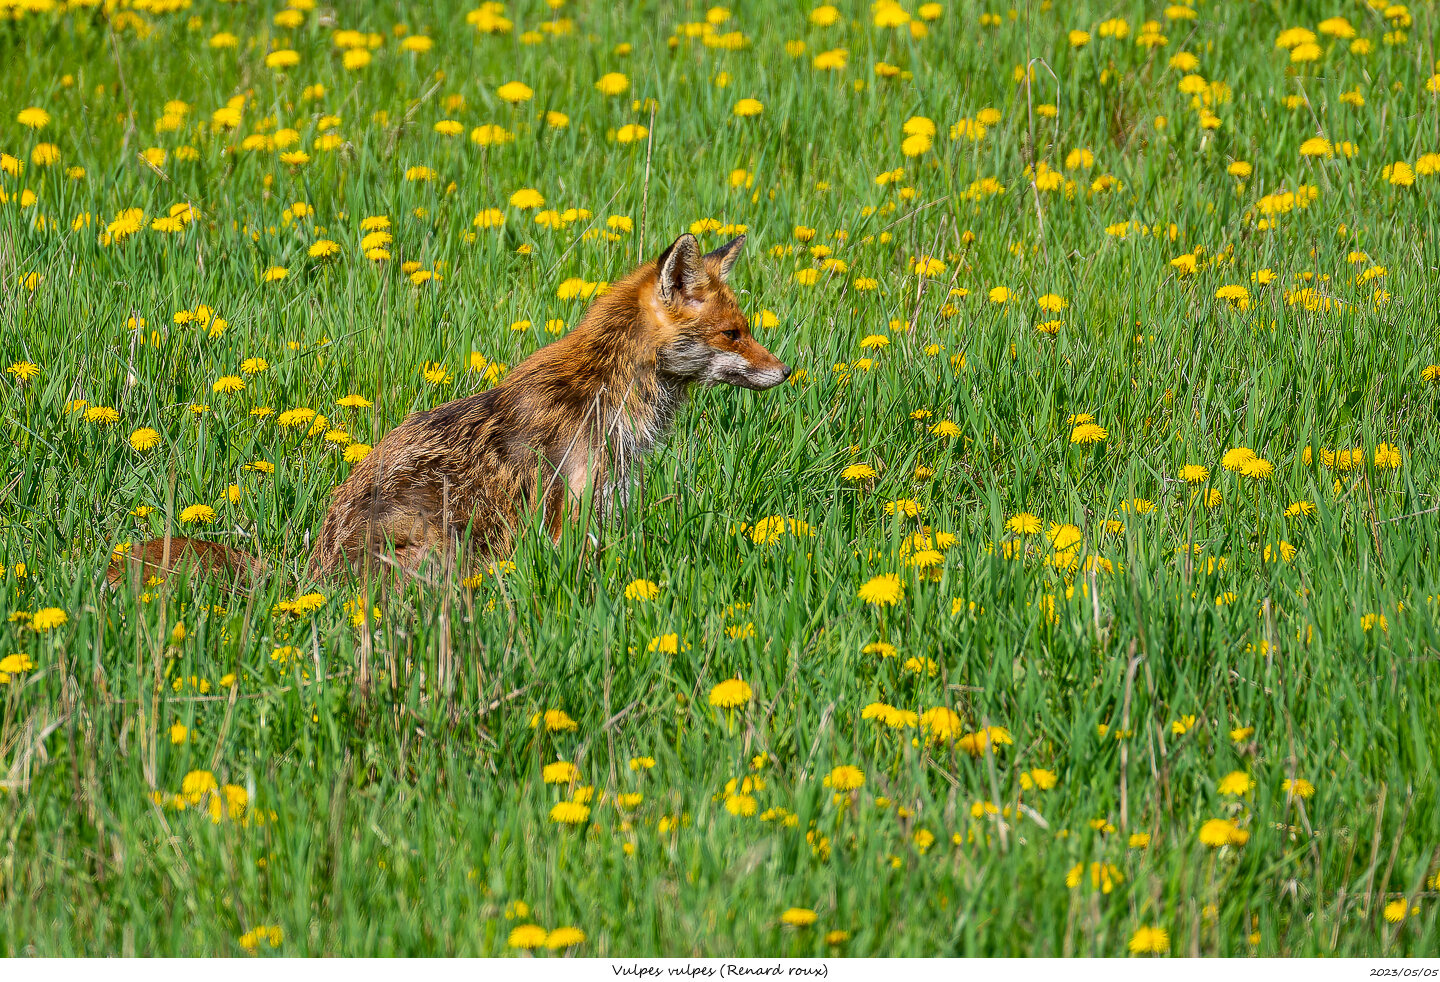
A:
(726, 256)
(681, 269)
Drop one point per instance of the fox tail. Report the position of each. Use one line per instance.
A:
(161, 557)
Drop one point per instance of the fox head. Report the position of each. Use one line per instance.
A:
(705, 336)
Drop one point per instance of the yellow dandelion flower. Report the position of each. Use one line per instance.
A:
(730, 694)
(144, 439)
(1023, 523)
(1150, 941)
(564, 937)
(612, 83)
(975, 744)
(846, 777)
(529, 935)
(515, 92)
(1299, 787)
(49, 618)
(560, 772)
(1236, 783)
(641, 590)
(197, 514)
(1219, 832)
(883, 590)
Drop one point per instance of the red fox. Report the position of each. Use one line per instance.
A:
(576, 417)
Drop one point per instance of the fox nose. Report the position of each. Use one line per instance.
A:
(786, 369)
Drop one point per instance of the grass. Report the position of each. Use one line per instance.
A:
(384, 781)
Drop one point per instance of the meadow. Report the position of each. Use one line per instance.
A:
(1076, 596)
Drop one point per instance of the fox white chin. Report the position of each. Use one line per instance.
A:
(732, 369)
(759, 381)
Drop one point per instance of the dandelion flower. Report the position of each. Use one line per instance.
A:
(798, 917)
(1038, 778)
(846, 777)
(1238, 296)
(1299, 787)
(555, 720)
(612, 83)
(1387, 456)
(1257, 468)
(1399, 174)
(197, 513)
(917, 144)
(1150, 941)
(564, 937)
(730, 694)
(641, 590)
(295, 417)
(976, 743)
(250, 940)
(144, 439)
(528, 935)
(515, 92)
(569, 813)
(926, 558)
(14, 665)
(560, 772)
(1023, 523)
(1236, 783)
(883, 590)
(33, 117)
(1219, 832)
(903, 506)
(489, 135)
(49, 618)
(941, 723)
(1234, 459)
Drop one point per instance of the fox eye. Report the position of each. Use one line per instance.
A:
(733, 334)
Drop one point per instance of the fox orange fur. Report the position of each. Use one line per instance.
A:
(575, 418)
